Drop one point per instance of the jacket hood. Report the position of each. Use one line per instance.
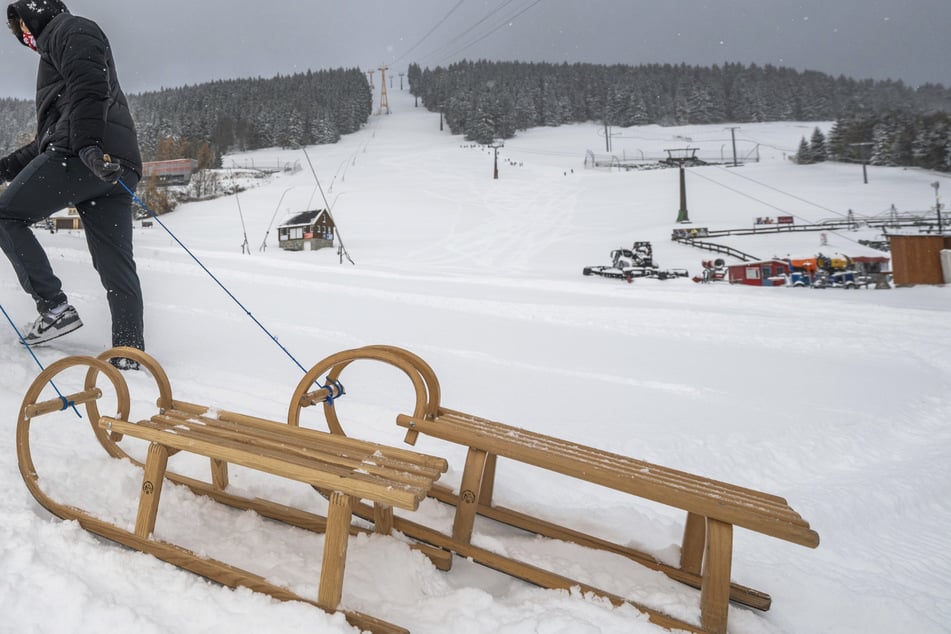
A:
(36, 13)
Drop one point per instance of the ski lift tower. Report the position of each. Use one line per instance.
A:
(680, 157)
(384, 99)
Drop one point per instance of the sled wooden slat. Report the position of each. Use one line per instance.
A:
(185, 410)
(317, 469)
(704, 497)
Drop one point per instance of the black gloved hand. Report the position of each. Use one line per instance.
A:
(100, 164)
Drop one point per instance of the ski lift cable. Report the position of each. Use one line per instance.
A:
(499, 26)
(776, 189)
(429, 32)
(763, 202)
(751, 197)
(457, 38)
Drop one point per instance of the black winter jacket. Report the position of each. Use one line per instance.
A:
(78, 98)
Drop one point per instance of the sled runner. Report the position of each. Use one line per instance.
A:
(369, 480)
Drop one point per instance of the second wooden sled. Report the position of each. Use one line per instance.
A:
(348, 472)
(712, 507)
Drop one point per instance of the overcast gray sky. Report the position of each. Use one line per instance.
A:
(169, 43)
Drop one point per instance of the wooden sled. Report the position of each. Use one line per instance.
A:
(346, 471)
(712, 508)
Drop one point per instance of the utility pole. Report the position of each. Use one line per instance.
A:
(370, 73)
(384, 100)
(495, 169)
(865, 157)
(401, 81)
(937, 205)
(733, 136)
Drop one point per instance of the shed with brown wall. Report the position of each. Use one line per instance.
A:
(916, 259)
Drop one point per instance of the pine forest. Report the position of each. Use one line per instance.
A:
(882, 122)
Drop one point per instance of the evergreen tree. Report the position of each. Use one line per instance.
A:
(804, 154)
(817, 146)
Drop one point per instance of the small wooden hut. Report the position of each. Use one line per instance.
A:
(916, 259)
(307, 231)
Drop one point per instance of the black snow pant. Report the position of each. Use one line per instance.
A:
(51, 182)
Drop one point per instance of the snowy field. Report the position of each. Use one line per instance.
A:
(837, 400)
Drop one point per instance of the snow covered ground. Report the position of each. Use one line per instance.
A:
(837, 400)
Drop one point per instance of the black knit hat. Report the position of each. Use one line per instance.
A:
(36, 13)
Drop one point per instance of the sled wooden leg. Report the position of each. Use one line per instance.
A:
(335, 551)
(691, 551)
(469, 491)
(717, 563)
(488, 480)
(155, 464)
(219, 474)
(382, 518)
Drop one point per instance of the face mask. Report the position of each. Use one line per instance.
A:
(29, 40)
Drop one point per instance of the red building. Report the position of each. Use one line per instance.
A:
(174, 172)
(763, 273)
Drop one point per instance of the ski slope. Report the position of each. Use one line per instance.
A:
(836, 400)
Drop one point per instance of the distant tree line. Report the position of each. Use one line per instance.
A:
(17, 124)
(891, 138)
(492, 100)
(207, 120)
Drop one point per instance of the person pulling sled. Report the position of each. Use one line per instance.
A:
(85, 142)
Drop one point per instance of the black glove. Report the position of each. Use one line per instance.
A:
(100, 164)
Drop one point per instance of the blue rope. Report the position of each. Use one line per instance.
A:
(217, 281)
(334, 390)
(66, 403)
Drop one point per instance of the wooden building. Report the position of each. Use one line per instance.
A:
(916, 259)
(174, 172)
(307, 231)
(65, 220)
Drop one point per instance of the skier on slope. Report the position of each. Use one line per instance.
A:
(85, 141)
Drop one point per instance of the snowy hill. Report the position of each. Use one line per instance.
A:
(836, 400)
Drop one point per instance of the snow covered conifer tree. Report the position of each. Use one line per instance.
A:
(817, 146)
